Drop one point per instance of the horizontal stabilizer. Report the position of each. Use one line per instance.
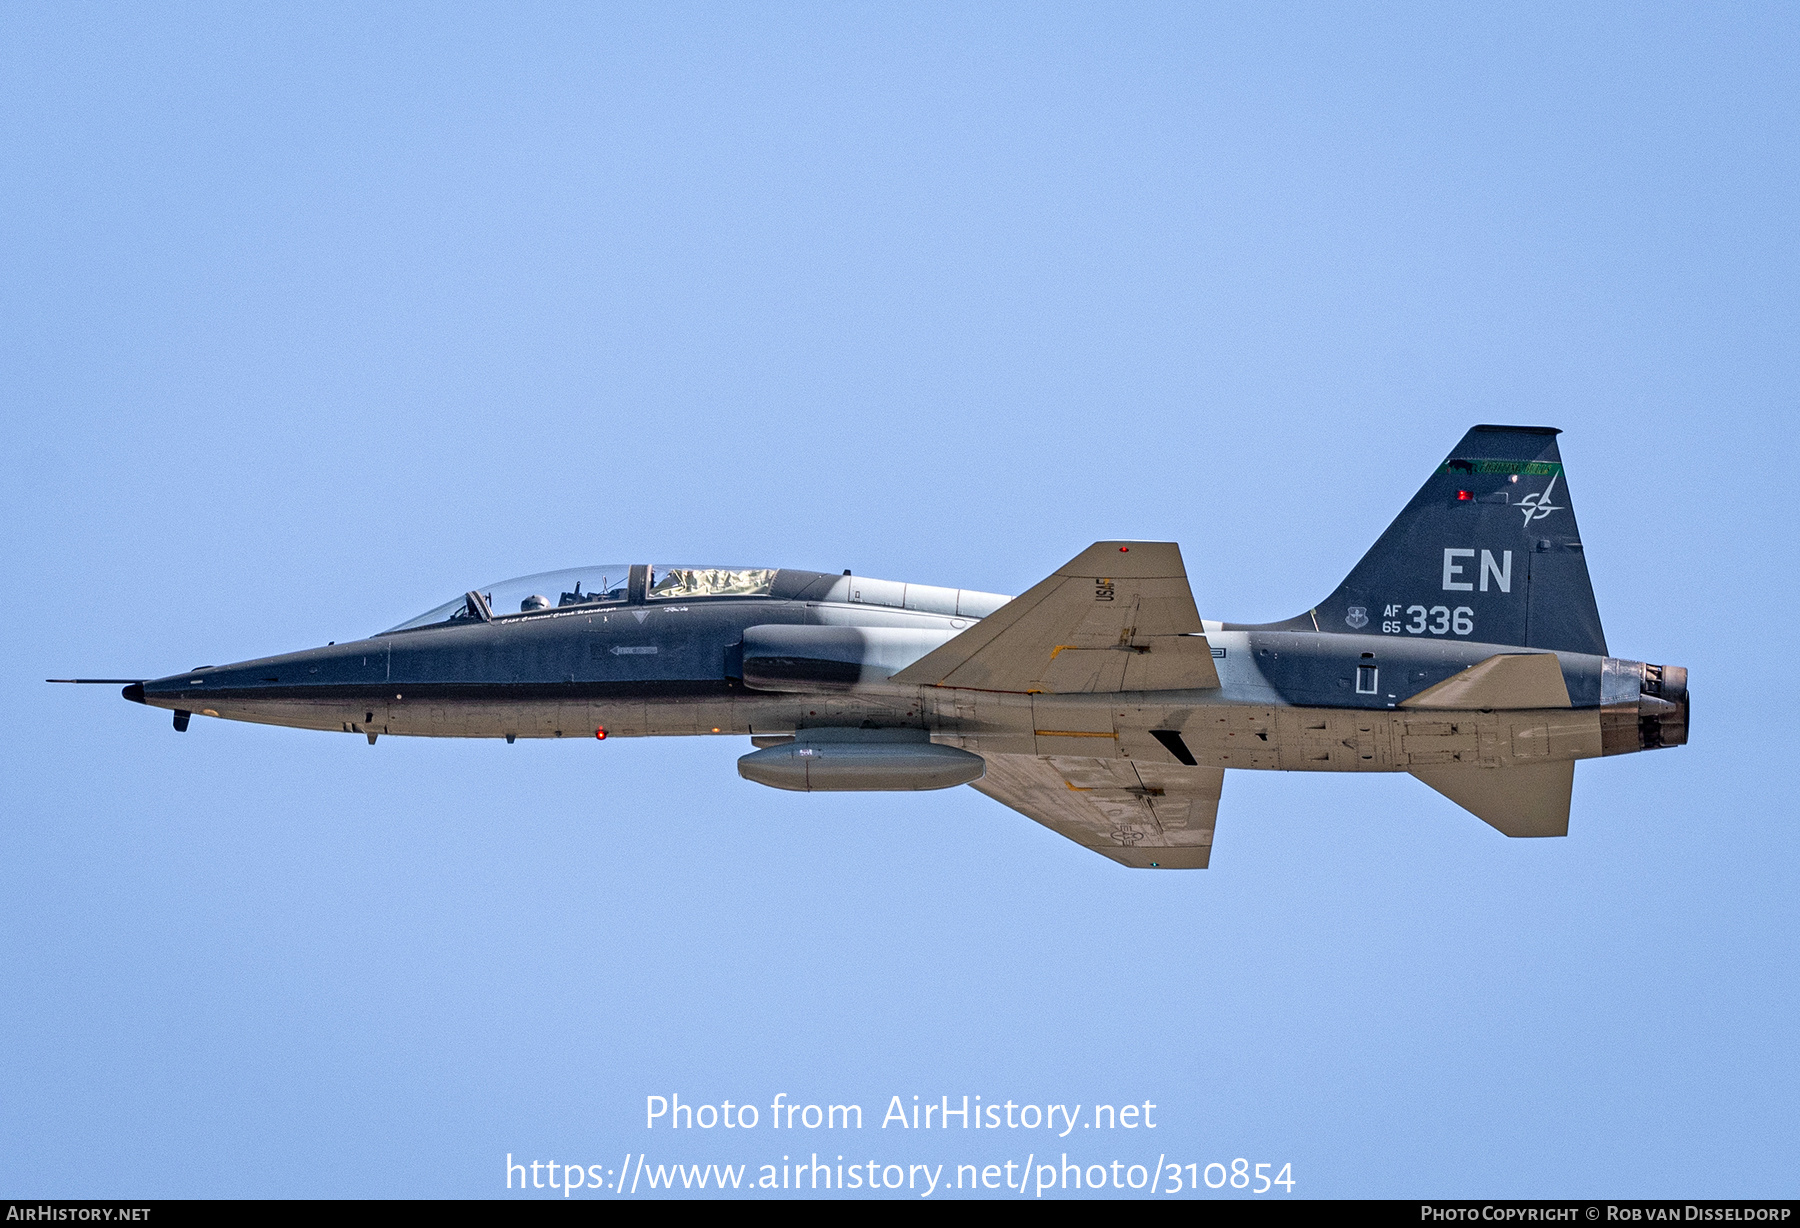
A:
(1503, 681)
(1518, 801)
(1119, 616)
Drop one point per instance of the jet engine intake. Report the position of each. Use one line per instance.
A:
(861, 760)
(805, 658)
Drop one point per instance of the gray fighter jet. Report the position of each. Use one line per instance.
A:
(1465, 648)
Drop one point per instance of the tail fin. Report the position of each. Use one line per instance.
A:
(1486, 551)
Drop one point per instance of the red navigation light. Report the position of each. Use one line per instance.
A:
(1463, 496)
(600, 734)
(1124, 549)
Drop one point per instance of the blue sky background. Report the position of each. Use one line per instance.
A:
(311, 319)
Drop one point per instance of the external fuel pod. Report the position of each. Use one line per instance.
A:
(858, 760)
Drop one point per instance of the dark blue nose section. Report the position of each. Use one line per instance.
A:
(134, 692)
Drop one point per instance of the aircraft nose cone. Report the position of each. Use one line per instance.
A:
(134, 692)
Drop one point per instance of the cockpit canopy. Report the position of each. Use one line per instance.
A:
(669, 581)
(552, 592)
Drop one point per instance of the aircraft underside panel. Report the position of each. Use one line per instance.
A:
(996, 725)
(1311, 739)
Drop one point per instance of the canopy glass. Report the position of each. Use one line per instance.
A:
(669, 581)
(601, 584)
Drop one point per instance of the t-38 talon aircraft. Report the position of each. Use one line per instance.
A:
(1465, 648)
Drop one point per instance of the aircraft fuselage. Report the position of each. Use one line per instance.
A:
(1286, 700)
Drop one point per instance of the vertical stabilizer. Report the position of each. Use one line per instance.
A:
(1487, 551)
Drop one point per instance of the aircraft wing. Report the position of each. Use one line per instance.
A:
(1138, 814)
(1119, 616)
